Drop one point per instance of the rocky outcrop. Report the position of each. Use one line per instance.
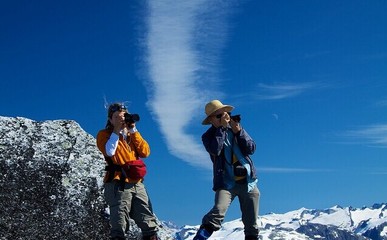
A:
(50, 181)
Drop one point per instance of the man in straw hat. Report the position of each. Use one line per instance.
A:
(230, 147)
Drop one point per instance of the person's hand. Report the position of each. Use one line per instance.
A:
(235, 126)
(118, 128)
(225, 119)
(220, 120)
(118, 122)
(131, 128)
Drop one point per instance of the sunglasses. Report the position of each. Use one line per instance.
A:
(221, 114)
(115, 108)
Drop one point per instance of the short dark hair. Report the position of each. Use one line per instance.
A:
(114, 107)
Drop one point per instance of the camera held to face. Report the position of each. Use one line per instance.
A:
(131, 118)
(236, 118)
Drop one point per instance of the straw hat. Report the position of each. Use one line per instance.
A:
(214, 106)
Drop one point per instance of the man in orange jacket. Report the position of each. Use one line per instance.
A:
(124, 191)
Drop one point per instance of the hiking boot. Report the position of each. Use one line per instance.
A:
(152, 237)
(251, 237)
(202, 234)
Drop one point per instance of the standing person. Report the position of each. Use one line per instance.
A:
(123, 146)
(229, 147)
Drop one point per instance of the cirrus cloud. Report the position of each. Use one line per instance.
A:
(372, 135)
(183, 42)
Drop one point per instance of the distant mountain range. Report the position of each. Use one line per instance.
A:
(57, 170)
(333, 223)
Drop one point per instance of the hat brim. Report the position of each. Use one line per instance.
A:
(226, 108)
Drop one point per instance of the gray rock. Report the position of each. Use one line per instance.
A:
(51, 181)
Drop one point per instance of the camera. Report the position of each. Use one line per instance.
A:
(239, 169)
(236, 118)
(131, 118)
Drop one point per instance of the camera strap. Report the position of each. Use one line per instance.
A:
(233, 158)
(240, 172)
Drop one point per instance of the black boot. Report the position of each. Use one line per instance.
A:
(151, 237)
(251, 237)
(203, 233)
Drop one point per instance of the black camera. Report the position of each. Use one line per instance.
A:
(236, 118)
(239, 170)
(131, 118)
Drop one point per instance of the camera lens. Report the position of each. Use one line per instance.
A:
(236, 118)
(131, 118)
(135, 117)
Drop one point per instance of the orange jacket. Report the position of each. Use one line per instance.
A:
(131, 149)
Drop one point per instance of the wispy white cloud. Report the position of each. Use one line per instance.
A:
(381, 172)
(373, 135)
(279, 91)
(183, 42)
(382, 103)
(291, 170)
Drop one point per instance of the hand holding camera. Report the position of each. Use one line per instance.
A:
(226, 119)
(221, 119)
(131, 119)
(235, 123)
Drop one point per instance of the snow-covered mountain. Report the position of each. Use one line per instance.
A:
(50, 188)
(332, 223)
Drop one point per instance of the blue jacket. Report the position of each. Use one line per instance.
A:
(218, 143)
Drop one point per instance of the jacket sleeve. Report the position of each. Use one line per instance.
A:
(213, 140)
(102, 138)
(245, 143)
(139, 143)
(122, 153)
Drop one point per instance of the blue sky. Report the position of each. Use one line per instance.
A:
(308, 77)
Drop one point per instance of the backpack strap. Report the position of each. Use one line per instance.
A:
(112, 168)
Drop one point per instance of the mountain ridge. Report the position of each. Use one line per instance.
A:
(332, 223)
(58, 171)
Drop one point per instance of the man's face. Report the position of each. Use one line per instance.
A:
(218, 115)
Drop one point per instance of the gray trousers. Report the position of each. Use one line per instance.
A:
(132, 202)
(249, 205)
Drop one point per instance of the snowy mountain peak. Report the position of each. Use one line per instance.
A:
(332, 223)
